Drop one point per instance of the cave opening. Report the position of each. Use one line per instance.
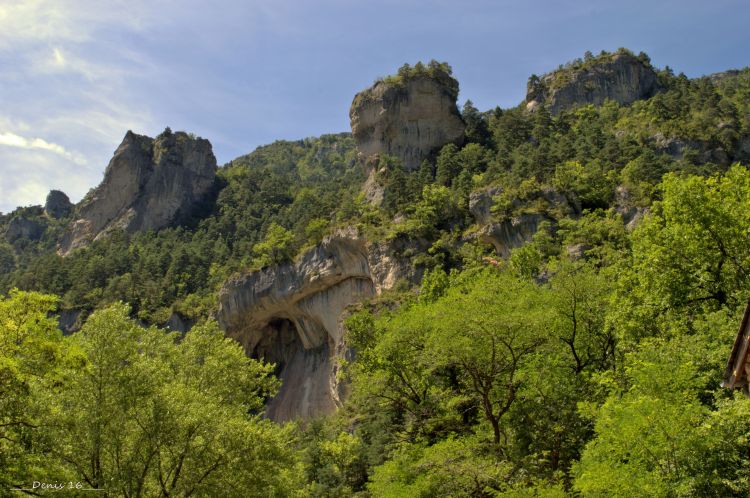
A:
(279, 344)
(304, 372)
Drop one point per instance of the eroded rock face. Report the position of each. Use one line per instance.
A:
(149, 184)
(511, 234)
(632, 214)
(70, 321)
(577, 251)
(623, 78)
(679, 148)
(408, 120)
(291, 315)
(21, 227)
(508, 233)
(179, 323)
(57, 205)
(481, 202)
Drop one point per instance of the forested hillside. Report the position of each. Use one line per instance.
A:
(583, 275)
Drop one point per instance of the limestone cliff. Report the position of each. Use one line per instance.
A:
(621, 77)
(149, 184)
(291, 315)
(408, 116)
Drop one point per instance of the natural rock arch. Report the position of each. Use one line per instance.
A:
(292, 315)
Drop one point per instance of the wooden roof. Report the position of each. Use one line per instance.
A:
(736, 374)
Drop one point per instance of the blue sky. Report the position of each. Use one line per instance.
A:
(75, 75)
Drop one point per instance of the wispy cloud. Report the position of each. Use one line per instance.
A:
(86, 71)
(13, 140)
(70, 96)
(29, 174)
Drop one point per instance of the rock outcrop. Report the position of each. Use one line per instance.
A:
(57, 205)
(149, 184)
(481, 202)
(679, 148)
(291, 315)
(620, 76)
(408, 116)
(179, 323)
(511, 231)
(21, 227)
(632, 213)
(70, 321)
(511, 234)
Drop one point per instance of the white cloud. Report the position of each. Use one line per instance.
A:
(74, 21)
(70, 97)
(86, 71)
(59, 58)
(13, 140)
(29, 174)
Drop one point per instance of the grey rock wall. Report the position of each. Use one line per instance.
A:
(292, 315)
(149, 184)
(408, 121)
(623, 78)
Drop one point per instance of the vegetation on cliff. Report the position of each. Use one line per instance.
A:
(586, 363)
(441, 72)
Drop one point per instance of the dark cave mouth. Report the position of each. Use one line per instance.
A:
(279, 345)
(304, 373)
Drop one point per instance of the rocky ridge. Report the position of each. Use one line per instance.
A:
(621, 77)
(149, 184)
(22, 227)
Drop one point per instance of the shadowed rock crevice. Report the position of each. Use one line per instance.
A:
(304, 373)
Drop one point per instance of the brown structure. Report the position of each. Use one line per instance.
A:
(738, 368)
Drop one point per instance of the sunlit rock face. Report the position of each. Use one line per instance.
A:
(292, 315)
(511, 234)
(408, 120)
(623, 78)
(149, 184)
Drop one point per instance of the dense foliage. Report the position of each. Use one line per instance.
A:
(134, 411)
(587, 362)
